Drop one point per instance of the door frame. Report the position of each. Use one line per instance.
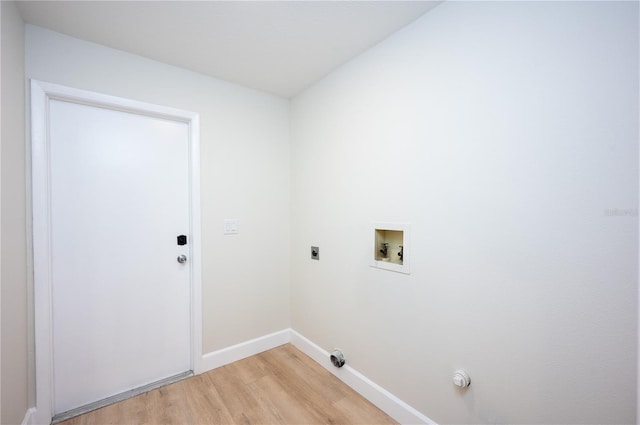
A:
(41, 94)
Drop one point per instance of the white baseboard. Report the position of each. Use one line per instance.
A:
(381, 398)
(29, 417)
(243, 350)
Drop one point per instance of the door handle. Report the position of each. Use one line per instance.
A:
(182, 259)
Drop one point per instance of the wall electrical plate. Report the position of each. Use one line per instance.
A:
(315, 253)
(231, 226)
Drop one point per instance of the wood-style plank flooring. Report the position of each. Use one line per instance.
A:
(279, 386)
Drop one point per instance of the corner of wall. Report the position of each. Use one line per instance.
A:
(14, 396)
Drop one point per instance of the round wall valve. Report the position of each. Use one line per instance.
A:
(337, 358)
(461, 378)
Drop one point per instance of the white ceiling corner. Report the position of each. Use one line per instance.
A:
(280, 47)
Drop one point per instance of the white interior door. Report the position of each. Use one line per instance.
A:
(119, 193)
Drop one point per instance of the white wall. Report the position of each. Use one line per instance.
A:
(506, 133)
(245, 175)
(14, 332)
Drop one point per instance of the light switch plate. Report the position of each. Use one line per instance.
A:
(315, 253)
(231, 226)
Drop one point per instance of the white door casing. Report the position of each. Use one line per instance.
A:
(48, 99)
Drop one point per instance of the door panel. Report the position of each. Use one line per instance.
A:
(121, 303)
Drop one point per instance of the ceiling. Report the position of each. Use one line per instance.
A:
(280, 47)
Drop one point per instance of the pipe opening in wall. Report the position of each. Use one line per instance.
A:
(337, 358)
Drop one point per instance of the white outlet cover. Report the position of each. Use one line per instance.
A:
(231, 226)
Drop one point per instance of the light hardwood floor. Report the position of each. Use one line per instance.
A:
(279, 386)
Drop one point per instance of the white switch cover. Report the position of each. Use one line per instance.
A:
(231, 226)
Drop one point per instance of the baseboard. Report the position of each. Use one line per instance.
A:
(381, 398)
(219, 358)
(29, 417)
